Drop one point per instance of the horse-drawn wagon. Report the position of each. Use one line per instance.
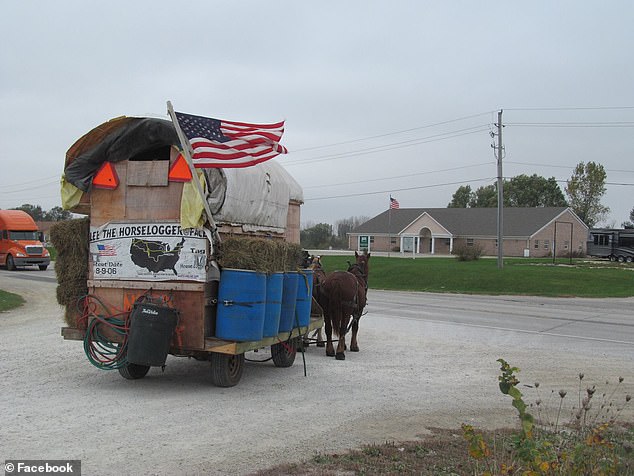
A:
(159, 268)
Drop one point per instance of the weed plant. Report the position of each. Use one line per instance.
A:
(590, 440)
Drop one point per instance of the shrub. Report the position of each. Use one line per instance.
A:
(467, 253)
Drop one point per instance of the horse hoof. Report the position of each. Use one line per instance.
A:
(354, 349)
(321, 344)
(340, 356)
(330, 354)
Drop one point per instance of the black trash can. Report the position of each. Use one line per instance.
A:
(150, 333)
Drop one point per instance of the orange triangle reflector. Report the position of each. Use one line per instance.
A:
(106, 177)
(179, 172)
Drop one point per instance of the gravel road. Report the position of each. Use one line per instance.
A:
(410, 375)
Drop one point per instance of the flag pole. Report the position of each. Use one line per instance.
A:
(389, 227)
(185, 144)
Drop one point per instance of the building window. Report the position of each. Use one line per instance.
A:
(536, 244)
(448, 241)
(546, 244)
(393, 241)
(371, 239)
(469, 241)
(602, 240)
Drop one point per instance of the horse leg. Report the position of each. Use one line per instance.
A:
(330, 350)
(320, 338)
(354, 347)
(341, 345)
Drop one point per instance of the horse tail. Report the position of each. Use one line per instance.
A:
(335, 311)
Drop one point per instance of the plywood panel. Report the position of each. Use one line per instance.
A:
(109, 205)
(147, 173)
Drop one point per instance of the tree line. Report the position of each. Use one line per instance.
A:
(38, 214)
(584, 191)
(321, 236)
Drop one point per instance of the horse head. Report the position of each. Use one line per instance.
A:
(315, 262)
(361, 267)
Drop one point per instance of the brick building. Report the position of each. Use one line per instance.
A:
(533, 232)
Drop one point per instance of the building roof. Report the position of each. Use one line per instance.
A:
(465, 221)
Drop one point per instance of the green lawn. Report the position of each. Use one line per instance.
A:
(9, 300)
(539, 277)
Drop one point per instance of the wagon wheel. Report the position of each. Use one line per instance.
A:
(134, 371)
(226, 369)
(283, 353)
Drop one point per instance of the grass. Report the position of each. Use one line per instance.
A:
(9, 301)
(519, 276)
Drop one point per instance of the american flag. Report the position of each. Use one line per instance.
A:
(394, 203)
(106, 250)
(226, 144)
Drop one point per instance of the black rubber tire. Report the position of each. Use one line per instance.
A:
(621, 259)
(283, 354)
(134, 371)
(10, 263)
(42, 267)
(226, 369)
(628, 259)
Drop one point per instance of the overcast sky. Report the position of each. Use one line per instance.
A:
(379, 98)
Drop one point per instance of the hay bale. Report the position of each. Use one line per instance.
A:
(71, 240)
(258, 254)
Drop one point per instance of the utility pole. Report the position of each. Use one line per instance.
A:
(499, 149)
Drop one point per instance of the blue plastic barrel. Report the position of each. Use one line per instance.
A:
(304, 298)
(289, 300)
(273, 307)
(241, 305)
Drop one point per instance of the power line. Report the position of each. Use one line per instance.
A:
(395, 145)
(571, 108)
(398, 176)
(51, 180)
(563, 166)
(398, 189)
(378, 136)
(571, 124)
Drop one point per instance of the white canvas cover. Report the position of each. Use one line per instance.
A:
(255, 198)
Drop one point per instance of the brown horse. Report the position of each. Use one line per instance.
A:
(344, 294)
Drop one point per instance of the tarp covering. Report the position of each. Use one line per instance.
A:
(256, 198)
(113, 141)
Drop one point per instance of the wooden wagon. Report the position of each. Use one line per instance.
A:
(139, 250)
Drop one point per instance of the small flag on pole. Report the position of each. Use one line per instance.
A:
(226, 144)
(394, 203)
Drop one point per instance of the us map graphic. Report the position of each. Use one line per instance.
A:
(155, 256)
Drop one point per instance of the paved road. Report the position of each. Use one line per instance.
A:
(610, 321)
(426, 360)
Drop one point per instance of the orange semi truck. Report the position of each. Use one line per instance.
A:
(20, 243)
